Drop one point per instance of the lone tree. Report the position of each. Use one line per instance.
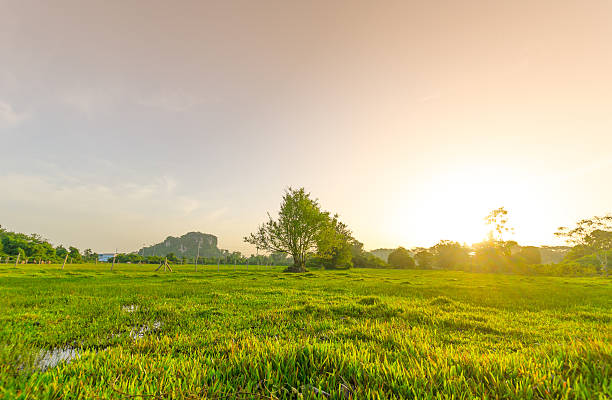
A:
(593, 235)
(498, 220)
(297, 231)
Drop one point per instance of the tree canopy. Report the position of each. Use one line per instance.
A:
(299, 228)
(592, 236)
(401, 258)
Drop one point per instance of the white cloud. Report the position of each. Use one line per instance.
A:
(85, 102)
(169, 101)
(98, 215)
(218, 213)
(10, 117)
(91, 100)
(72, 195)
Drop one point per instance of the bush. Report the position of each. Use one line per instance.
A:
(368, 260)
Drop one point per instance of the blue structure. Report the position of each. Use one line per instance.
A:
(104, 257)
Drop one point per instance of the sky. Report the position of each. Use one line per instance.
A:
(124, 122)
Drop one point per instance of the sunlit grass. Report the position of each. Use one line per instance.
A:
(262, 333)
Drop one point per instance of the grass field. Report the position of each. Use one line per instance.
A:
(324, 334)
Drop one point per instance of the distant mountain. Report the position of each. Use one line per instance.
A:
(553, 254)
(186, 245)
(383, 254)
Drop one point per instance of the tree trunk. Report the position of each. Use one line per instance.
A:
(603, 262)
(299, 265)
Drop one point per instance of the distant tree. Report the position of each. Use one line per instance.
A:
(401, 258)
(296, 231)
(494, 255)
(61, 251)
(365, 259)
(171, 257)
(593, 235)
(529, 255)
(498, 220)
(448, 254)
(424, 258)
(279, 258)
(74, 254)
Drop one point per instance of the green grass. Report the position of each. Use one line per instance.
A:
(262, 333)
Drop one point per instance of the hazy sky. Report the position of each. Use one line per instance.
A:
(123, 122)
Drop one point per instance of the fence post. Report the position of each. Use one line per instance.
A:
(65, 259)
(17, 261)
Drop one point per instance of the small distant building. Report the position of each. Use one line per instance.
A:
(104, 257)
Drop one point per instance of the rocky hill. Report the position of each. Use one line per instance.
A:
(186, 245)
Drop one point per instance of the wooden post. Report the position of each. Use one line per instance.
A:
(17, 261)
(65, 259)
(113, 264)
(198, 255)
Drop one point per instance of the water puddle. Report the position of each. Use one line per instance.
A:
(53, 357)
(139, 332)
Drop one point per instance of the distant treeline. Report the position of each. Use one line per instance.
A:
(34, 248)
(225, 257)
(490, 256)
(495, 256)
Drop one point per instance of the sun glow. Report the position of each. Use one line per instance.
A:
(453, 205)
